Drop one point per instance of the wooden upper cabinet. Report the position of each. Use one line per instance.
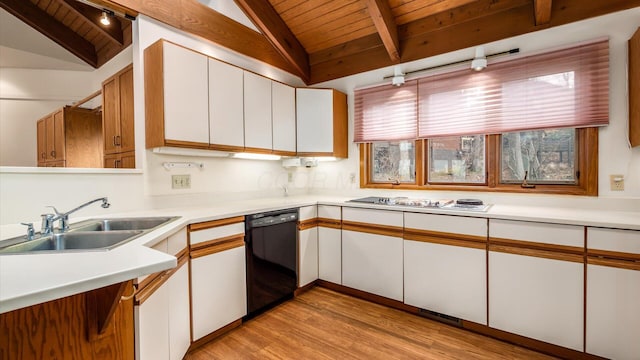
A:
(117, 112)
(257, 113)
(283, 110)
(226, 116)
(41, 142)
(176, 96)
(321, 116)
(634, 89)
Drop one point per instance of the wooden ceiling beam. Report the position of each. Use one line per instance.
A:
(92, 16)
(265, 18)
(458, 29)
(38, 19)
(385, 23)
(200, 20)
(542, 11)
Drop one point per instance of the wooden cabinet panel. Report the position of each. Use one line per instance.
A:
(58, 148)
(257, 112)
(127, 136)
(226, 117)
(110, 123)
(218, 290)
(283, 109)
(538, 298)
(41, 142)
(120, 160)
(321, 116)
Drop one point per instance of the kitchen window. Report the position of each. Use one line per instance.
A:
(524, 124)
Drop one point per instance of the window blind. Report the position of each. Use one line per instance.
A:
(386, 113)
(557, 89)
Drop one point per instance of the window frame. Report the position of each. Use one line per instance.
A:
(586, 165)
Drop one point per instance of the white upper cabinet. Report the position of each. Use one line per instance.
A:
(226, 105)
(283, 111)
(176, 100)
(321, 116)
(257, 112)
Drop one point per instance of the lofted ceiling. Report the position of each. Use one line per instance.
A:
(321, 40)
(74, 25)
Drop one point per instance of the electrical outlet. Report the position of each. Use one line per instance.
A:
(180, 181)
(617, 182)
(289, 177)
(352, 178)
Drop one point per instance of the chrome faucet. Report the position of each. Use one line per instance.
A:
(49, 219)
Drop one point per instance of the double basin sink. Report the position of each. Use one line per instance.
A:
(94, 234)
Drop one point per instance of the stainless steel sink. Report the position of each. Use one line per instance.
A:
(80, 240)
(93, 234)
(121, 224)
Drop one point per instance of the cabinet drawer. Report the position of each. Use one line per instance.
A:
(177, 242)
(330, 212)
(216, 232)
(446, 224)
(377, 217)
(308, 212)
(543, 233)
(617, 240)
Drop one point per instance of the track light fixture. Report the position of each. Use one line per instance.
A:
(479, 62)
(398, 77)
(104, 20)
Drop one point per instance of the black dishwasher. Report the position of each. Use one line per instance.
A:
(271, 251)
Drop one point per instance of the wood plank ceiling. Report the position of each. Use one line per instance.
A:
(75, 26)
(321, 40)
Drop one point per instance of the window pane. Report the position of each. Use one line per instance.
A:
(393, 162)
(546, 156)
(458, 159)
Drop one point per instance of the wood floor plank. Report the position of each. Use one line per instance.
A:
(323, 324)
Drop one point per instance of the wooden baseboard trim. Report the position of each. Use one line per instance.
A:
(304, 289)
(206, 339)
(519, 340)
(523, 341)
(368, 296)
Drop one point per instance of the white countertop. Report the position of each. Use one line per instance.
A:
(30, 279)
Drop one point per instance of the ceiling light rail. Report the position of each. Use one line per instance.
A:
(107, 12)
(470, 61)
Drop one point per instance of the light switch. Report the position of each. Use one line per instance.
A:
(181, 181)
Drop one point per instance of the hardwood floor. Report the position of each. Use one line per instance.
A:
(323, 324)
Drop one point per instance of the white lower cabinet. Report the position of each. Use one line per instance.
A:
(218, 290)
(330, 254)
(372, 251)
(445, 261)
(162, 319)
(307, 246)
(613, 293)
(538, 298)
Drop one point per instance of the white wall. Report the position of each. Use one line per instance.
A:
(26, 95)
(615, 156)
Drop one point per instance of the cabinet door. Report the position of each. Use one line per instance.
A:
(126, 140)
(152, 336)
(308, 256)
(537, 297)
(218, 290)
(257, 112)
(186, 114)
(179, 313)
(613, 312)
(314, 116)
(330, 254)
(110, 122)
(447, 279)
(226, 105)
(283, 109)
(41, 142)
(58, 135)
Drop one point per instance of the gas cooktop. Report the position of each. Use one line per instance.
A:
(460, 204)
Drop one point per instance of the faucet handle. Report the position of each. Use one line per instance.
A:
(54, 209)
(30, 231)
(47, 224)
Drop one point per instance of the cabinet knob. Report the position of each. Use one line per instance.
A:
(53, 154)
(118, 140)
(117, 164)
